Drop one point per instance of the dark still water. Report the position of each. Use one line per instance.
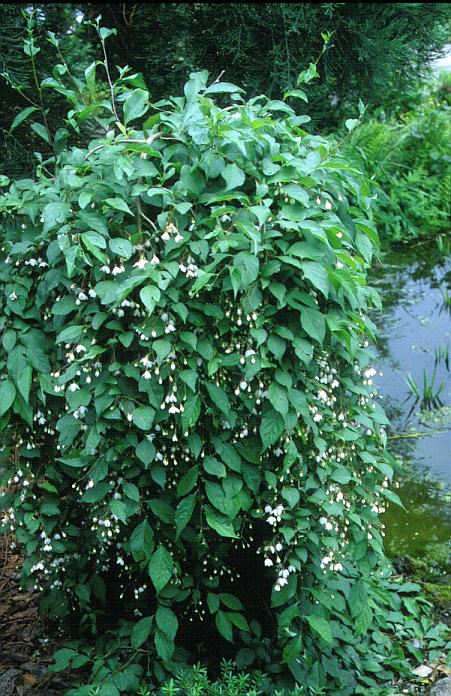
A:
(414, 356)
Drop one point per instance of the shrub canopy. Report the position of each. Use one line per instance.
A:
(188, 420)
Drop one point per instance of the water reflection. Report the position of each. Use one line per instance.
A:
(415, 337)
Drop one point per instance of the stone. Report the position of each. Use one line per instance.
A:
(422, 671)
(33, 668)
(8, 681)
(440, 688)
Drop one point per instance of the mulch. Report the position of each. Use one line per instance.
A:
(25, 646)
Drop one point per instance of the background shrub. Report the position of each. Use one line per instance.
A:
(191, 442)
(406, 154)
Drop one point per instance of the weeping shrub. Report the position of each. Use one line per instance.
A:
(192, 448)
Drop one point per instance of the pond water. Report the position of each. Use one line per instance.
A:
(415, 337)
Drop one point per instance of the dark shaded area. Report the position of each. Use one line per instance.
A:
(376, 50)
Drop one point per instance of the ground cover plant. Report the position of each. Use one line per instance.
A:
(192, 445)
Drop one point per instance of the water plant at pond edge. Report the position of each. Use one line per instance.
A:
(187, 407)
(429, 397)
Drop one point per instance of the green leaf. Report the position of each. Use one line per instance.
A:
(40, 130)
(341, 475)
(162, 348)
(230, 601)
(271, 428)
(196, 83)
(167, 622)
(219, 398)
(131, 491)
(191, 412)
(135, 105)
(313, 323)
(215, 494)
(238, 620)
(235, 280)
(307, 75)
(84, 199)
(162, 510)
(188, 481)
(190, 378)
(248, 266)
(277, 346)
(351, 123)
(321, 626)
(145, 451)
(292, 649)
(291, 495)
(393, 497)
(141, 632)
(317, 275)
(214, 467)
(121, 247)
(95, 238)
(164, 646)
(96, 493)
(160, 568)
(223, 88)
(363, 621)
(278, 397)
(303, 350)
(358, 598)
(220, 523)
(224, 625)
(118, 509)
(22, 116)
(233, 176)
(64, 306)
(9, 339)
(54, 214)
(245, 657)
(296, 93)
(70, 334)
(23, 382)
(150, 295)
(142, 542)
(202, 280)
(143, 417)
(38, 359)
(118, 204)
(7, 396)
(213, 602)
(184, 512)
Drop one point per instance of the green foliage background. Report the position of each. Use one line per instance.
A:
(406, 153)
(377, 50)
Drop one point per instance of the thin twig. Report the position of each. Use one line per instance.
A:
(41, 101)
(139, 211)
(113, 103)
(148, 220)
(218, 78)
(406, 436)
(148, 141)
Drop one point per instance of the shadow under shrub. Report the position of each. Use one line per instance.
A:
(193, 451)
